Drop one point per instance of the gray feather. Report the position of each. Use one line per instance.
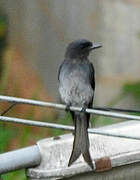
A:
(81, 140)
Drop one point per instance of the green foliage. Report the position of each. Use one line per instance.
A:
(4, 77)
(3, 25)
(132, 89)
(5, 135)
(3, 32)
(3, 37)
(17, 175)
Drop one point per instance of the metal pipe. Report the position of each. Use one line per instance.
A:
(63, 127)
(18, 159)
(35, 123)
(116, 109)
(63, 107)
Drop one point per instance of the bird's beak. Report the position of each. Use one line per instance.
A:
(95, 46)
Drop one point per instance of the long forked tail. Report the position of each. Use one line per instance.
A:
(81, 140)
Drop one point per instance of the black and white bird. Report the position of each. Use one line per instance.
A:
(76, 87)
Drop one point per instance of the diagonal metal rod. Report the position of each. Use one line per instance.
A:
(63, 107)
(63, 127)
(10, 107)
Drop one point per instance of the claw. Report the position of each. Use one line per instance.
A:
(84, 109)
(67, 109)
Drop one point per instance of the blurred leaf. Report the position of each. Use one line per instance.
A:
(5, 136)
(3, 25)
(132, 89)
(4, 76)
(16, 175)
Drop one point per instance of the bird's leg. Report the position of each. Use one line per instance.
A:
(67, 109)
(84, 108)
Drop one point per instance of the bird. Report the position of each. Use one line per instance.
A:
(76, 87)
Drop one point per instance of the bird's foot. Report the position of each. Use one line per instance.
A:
(84, 109)
(67, 109)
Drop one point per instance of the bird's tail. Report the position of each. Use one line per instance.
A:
(81, 140)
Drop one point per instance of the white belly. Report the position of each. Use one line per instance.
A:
(75, 92)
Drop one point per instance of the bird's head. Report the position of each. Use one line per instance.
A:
(80, 48)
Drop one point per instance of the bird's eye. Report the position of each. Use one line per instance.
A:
(85, 45)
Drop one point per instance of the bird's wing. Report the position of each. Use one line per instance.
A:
(60, 67)
(92, 76)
